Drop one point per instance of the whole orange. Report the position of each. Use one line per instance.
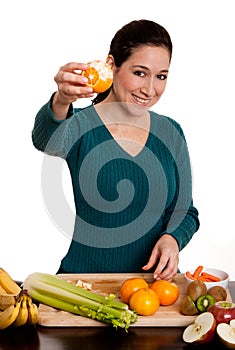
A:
(130, 285)
(144, 301)
(167, 291)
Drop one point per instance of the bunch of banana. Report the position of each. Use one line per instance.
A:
(16, 306)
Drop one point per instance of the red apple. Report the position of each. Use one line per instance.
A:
(202, 331)
(223, 311)
(226, 333)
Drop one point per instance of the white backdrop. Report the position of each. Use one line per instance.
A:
(37, 37)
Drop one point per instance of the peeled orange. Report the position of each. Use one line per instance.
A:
(99, 75)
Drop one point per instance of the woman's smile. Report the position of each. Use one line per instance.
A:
(141, 100)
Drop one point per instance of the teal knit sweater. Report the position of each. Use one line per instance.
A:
(124, 204)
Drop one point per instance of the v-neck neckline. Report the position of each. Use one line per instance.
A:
(111, 136)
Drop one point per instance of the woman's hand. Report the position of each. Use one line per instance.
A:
(71, 86)
(166, 254)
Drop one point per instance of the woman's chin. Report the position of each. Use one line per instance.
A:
(135, 109)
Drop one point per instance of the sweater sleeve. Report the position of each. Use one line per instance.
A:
(181, 217)
(52, 136)
(184, 231)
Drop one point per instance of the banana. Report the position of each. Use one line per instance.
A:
(7, 300)
(33, 312)
(22, 316)
(2, 290)
(8, 283)
(8, 316)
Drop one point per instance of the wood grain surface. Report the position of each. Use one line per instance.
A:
(166, 316)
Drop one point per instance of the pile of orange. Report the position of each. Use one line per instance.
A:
(145, 299)
(99, 75)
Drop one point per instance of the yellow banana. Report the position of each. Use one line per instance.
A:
(7, 300)
(33, 312)
(22, 316)
(2, 290)
(8, 283)
(8, 316)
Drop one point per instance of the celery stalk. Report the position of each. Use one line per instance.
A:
(53, 291)
(58, 282)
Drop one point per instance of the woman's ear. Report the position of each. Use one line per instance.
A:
(110, 61)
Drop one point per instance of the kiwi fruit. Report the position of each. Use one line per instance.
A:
(219, 293)
(188, 307)
(204, 302)
(196, 289)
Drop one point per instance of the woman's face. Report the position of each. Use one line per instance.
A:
(141, 79)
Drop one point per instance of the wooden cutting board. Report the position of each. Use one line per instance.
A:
(166, 316)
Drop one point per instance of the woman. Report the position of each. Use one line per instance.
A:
(129, 166)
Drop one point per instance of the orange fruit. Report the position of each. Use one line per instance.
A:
(144, 302)
(131, 285)
(167, 292)
(99, 75)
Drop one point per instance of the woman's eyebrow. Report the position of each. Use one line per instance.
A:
(144, 67)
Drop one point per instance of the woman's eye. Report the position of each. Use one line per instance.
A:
(139, 73)
(162, 76)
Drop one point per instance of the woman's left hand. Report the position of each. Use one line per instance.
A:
(166, 254)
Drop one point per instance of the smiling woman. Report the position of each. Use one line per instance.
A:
(129, 166)
(199, 95)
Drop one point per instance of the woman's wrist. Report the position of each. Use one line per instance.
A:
(59, 107)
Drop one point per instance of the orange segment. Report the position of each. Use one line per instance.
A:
(99, 75)
(92, 75)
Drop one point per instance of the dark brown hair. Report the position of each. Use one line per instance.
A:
(130, 37)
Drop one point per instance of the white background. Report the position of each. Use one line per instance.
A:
(37, 37)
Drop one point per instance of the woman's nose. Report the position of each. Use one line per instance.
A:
(149, 87)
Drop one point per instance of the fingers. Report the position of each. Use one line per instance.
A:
(71, 83)
(68, 75)
(152, 260)
(165, 256)
(72, 92)
(73, 66)
(166, 270)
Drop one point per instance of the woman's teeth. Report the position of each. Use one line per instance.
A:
(141, 100)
